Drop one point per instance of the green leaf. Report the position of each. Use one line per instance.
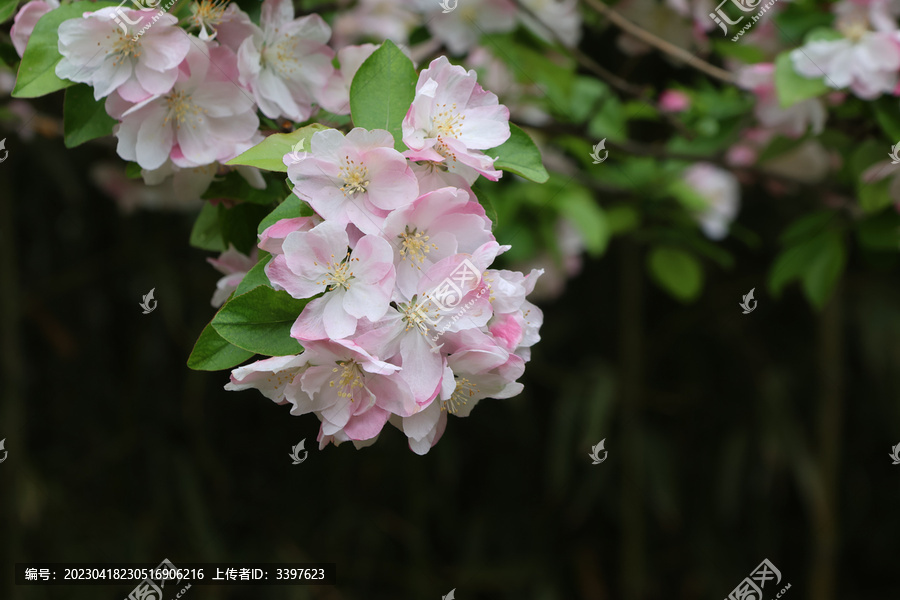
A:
(7, 9)
(260, 321)
(822, 275)
(37, 73)
(880, 232)
(383, 90)
(791, 87)
(291, 208)
(486, 199)
(875, 196)
(519, 155)
(888, 116)
(622, 218)
(256, 276)
(805, 227)
(816, 262)
(822, 34)
(269, 154)
(588, 218)
(677, 272)
(212, 353)
(84, 118)
(207, 233)
(239, 224)
(234, 187)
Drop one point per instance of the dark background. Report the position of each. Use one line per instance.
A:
(732, 438)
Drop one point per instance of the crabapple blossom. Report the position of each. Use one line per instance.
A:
(674, 101)
(335, 95)
(111, 57)
(381, 19)
(437, 225)
(357, 284)
(272, 238)
(460, 28)
(721, 191)
(234, 265)
(452, 119)
(204, 118)
(285, 61)
(561, 17)
(26, 19)
(271, 376)
(350, 390)
(357, 178)
(792, 121)
(864, 60)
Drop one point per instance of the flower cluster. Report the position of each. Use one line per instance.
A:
(406, 321)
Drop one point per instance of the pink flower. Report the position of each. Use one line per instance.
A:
(234, 265)
(437, 225)
(461, 28)
(335, 96)
(721, 190)
(286, 62)
(865, 61)
(271, 376)
(26, 19)
(674, 101)
(356, 284)
(452, 118)
(103, 50)
(561, 17)
(350, 390)
(272, 238)
(377, 19)
(354, 179)
(205, 118)
(792, 121)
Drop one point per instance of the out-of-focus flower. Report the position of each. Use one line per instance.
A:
(792, 121)
(377, 20)
(864, 60)
(286, 61)
(674, 101)
(105, 52)
(26, 19)
(234, 265)
(335, 96)
(561, 17)
(723, 194)
(461, 28)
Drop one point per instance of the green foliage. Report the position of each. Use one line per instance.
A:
(382, 91)
(212, 353)
(260, 321)
(234, 187)
(217, 226)
(256, 276)
(792, 87)
(7, 9)
(519, 155)
(84, 118)
(678, 272)
(269, 154)
(290, 208)
(814, 254)
(37, 73)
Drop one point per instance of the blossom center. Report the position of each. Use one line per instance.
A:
(181, 108)
(338, 273)
(465, 389)
(124, 47)
(207, 13)
(853, 28)
(414, 244)
(448, 122)
(355, 177)
(415, 315)
(282, 56)
(349, 378)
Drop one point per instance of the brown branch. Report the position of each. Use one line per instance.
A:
(659, 43)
